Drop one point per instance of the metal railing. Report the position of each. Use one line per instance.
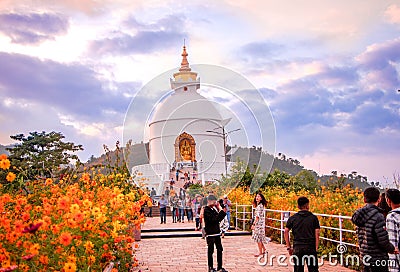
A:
(243, 212)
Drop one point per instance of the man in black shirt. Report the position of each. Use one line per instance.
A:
(305, 228)
(213, 215)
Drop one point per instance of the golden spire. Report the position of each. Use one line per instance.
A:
(184, 64)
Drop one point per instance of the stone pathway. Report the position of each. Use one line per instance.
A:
(190, 253)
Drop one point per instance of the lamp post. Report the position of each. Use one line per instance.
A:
(224, 135)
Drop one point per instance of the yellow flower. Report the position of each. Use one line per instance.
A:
(70, 267)
(10, 177)
(49, 181)
(91, 259)
(71, 259)
(74, 208)
(5, 164)
(89, 246)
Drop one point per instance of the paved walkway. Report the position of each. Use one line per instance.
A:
(190, 253)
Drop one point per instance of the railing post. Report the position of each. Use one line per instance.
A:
(340, 229)
(244, 217)
(236, 218)
(281, 228)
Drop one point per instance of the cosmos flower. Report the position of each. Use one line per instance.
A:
(32, 228)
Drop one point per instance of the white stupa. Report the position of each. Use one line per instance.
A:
(185, 135)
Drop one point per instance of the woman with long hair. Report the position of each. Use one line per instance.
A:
(258, 226)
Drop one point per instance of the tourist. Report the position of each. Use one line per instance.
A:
(203, 205)
(373, 239)
(305, 228)
(214, 213)
(162, 203)
(188, 209)
(150, 206)
(383, 205)
(182, 194)
(153, 194)
(181, 210)
(228, 205)
(258, 227)
(177, 175)
(166, 193)
(174, 205)
(224, 224)
(197, 208)
(185, 176)
(172, 193)
(393, 226)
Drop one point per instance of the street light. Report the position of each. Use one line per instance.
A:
(224, 135)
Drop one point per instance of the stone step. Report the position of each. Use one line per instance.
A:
(184, 233)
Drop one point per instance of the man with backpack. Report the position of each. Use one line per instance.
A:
(393, 226)
(373, 239)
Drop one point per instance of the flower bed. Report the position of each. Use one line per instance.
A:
(78, 223)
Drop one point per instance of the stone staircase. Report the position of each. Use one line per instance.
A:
(153, 229)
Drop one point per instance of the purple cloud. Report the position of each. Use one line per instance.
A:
(164, 33)
(74, 89)
(33, 28)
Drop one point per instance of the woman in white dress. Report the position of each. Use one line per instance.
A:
(258, 226)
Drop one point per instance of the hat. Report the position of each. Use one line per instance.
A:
(225, 196)
(211, 197)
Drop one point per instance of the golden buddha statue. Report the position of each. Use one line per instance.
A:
(186, 150)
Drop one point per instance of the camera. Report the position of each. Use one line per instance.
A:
(221, 203)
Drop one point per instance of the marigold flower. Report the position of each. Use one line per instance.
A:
(65, 238)
(70, 267)
(3, 157)
(10, 177)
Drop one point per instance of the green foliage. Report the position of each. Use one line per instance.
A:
(41, 154)
(195, 188)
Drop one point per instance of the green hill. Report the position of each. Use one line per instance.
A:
(138, 154)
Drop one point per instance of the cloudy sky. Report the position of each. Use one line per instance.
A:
(329, 70)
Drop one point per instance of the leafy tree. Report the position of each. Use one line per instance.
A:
(305, 179)
(41, 154)
(277, 179)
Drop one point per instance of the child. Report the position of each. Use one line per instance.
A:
(213, 215)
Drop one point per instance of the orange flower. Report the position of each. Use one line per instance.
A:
(10, 177)
(65, 238)
(34, 249)
(3, 157)
(63, 203)
(70, 267)
(44, 259)
(25, 216)
(79, 216)
(49, 181)
(5, 164)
